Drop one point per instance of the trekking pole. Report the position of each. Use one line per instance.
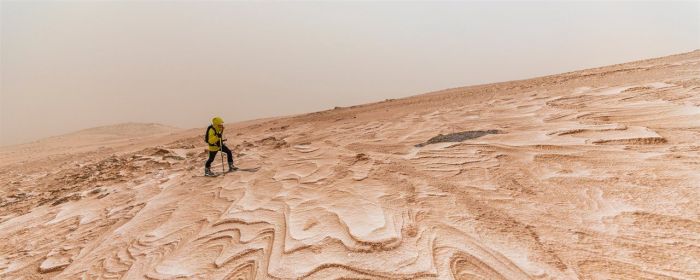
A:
(221, 149)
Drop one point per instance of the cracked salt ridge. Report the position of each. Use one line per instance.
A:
(173, 269)
(580, 172)
(521, 259)
(90, 209)
(613, 90)
(687, 110)
(619, 89)
(366, 219)
(87, 209)
(657, 85)
(633, 134)
(601, 209)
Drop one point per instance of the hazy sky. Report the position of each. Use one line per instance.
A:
(72, 65)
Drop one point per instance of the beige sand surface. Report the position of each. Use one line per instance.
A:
(592, 174)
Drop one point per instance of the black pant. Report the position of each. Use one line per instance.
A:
(212, 155)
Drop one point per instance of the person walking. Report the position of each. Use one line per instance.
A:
(215, 140)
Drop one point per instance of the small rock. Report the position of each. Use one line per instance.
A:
(361, 157)
(60, 201)
(96, 191)
(54, 263)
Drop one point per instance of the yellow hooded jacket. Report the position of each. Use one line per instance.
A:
(214, 134)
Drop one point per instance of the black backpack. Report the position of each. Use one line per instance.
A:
(206, 135)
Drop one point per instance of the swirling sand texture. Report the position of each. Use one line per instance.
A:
(585, 175)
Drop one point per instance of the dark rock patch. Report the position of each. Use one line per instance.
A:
(459, 136)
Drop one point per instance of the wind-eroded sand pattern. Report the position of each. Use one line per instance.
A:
(593, 175)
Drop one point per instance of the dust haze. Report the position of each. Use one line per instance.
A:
(73, 65)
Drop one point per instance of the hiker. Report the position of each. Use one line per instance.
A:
(214, 137)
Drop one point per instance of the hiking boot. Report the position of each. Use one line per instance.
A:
(232, 168)
(207, 172)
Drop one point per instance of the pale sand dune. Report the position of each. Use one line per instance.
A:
(585, 175)
(127, 136)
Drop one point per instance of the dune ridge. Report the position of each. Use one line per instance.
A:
(590, 174)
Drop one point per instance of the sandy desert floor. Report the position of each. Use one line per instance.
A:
(593, 174)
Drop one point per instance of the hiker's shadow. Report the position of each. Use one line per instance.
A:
(255, 169)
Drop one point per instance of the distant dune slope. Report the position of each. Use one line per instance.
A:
(86, 140)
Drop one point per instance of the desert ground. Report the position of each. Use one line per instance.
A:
(593, 174)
